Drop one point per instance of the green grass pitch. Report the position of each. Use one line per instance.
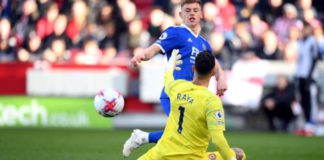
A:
(87, 144)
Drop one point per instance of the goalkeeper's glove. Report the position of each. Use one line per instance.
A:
(174, 61)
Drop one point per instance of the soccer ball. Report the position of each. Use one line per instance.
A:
(109, 103)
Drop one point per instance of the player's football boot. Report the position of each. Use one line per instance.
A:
(137, 138)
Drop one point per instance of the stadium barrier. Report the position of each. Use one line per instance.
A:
(76, 80)
(13, 78)
(84, 81)
(75, 83)
(50, 112)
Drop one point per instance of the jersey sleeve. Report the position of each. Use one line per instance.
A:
(216, 126)
(215, 116)
(222, 145)
(168, 40)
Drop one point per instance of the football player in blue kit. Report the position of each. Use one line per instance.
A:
(187, 40)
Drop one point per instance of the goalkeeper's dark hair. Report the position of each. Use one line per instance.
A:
(205, 63)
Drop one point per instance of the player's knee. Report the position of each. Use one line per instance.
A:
(240, 155)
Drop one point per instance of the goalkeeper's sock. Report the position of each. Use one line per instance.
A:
(155, 136)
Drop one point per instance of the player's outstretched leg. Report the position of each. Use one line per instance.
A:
(136, 139)
(154, 137)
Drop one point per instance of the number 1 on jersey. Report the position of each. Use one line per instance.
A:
(181, 109)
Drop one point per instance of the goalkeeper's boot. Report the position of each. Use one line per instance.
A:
(137, 139)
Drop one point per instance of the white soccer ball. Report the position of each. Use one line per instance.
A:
(109, 103)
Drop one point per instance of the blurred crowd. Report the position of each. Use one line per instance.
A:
(101, 31)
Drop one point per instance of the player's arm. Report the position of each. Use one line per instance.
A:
(215, 118)
(168, 40)
(173, 64)
(221, 80)
(146, 55)
(221, 144)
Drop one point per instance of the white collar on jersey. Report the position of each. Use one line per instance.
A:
(185, 26)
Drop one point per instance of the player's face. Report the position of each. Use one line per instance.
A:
(191, 14)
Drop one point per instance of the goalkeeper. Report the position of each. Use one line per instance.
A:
(196, 116)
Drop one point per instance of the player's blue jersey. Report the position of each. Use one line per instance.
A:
(189, 45)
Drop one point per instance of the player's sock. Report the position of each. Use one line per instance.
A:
(155, 136)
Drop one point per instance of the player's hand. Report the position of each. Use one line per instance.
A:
(174, 61)
(221, 86)
(240, 155)
(137, 58)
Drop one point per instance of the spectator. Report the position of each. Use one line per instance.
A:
(226, 17)
(106, 14)
(111, 38)
(283, 24)
(168, 6)
(278, 104)
(58, 52)
(257, 27)
(156, 21)
(65, 6)
(176, 16)
(7, 41)
(242, 39)
(7, 52)
(250, 6)
(269, 48)
(78, 21)
(60, 25)
(5, 28)
(128, 13)
(272, 11)
(90, 54)
(45, 25)
(95, 7)
(109, 54)
(109, 20)
(144, 9)
(210, 12)
(308, 53)
(222, 51)
(128, 10)
(137, 36)
(303, 6)
(167, 22)
(309, 18)
(32, 50)
(25, 20)
(91, 31)
(290, 50)
(43, 5)
(5, 8)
